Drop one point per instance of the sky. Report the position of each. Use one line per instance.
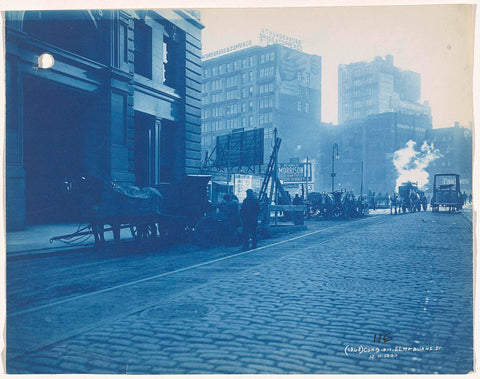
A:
(433, 40)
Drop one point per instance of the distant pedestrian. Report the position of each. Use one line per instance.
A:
(249, 213)
(297, 200)
(470, 198)
(464, 198)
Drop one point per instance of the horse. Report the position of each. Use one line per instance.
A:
(103, 202)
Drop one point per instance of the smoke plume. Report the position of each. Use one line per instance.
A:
(411, 164)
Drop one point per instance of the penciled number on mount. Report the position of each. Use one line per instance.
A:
(386, 337)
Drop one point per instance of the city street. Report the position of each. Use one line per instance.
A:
(382, 294)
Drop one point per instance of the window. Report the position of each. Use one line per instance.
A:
(250, 105)
(143, 49)
(251, 77)
(299, 106)
(299, 76)
(307, 78)
(307, 108)
(250, 121)
(244, 77)
(169, 66)
(123, 43)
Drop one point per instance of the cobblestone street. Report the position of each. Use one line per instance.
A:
(315, 302)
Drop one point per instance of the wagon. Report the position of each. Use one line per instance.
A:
(446, 192)
(168, 211)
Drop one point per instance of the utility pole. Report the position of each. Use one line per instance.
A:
(335, 147)
(361, 185)
(306, 180)
(275, 170)
(228, 162)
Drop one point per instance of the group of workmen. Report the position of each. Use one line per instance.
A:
(245, 216)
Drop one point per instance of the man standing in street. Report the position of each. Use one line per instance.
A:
(249, 213)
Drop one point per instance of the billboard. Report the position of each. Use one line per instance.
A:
(240, 149)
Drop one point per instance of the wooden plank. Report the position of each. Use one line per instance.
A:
(287, 208)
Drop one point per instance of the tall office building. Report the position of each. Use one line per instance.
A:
(366, 88)
(272, 86)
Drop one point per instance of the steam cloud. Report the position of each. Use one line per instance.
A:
(411, 164)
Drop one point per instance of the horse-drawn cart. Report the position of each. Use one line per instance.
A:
(167, 211)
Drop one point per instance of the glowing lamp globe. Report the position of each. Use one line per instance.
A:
(45, 61)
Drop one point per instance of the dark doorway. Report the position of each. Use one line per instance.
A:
(56, 123)
(146, 148)
(154, 150)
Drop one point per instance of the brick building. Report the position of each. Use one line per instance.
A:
(268, 87)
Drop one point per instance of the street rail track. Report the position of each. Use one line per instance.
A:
(172, 272)
(65, 308)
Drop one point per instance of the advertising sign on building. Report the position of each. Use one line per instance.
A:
(294, 172)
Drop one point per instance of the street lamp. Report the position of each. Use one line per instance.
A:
(335, 148)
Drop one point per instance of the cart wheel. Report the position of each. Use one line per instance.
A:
(143, 231)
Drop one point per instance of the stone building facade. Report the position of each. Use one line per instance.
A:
(122, 102)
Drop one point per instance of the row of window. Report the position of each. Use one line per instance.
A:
(366, 91)
(230, 109)
(236, 122)
(268, 57)
(237, 65)
(267, 71)
(305, 107)
(367, 80)
(217, 97)
(234, 80)
(303, 76)
(266, 118)
(266, 102)
(267, 87)
(216, 85)
(370, 103)
(237, 94)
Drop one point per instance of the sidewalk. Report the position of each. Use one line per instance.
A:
(36, 238)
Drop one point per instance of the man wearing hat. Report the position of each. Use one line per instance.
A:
(249, 213)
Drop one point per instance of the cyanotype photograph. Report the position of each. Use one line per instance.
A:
(280, 190)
